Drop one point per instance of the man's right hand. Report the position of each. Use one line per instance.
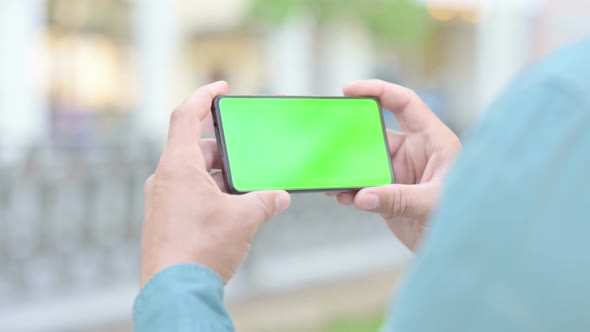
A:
(421, 157)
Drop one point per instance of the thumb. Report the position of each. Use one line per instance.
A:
(263, 205)
(414, 201)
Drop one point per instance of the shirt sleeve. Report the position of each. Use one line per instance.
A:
(182, 298)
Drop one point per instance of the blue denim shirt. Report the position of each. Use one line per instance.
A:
(182, 298)
(509, 249)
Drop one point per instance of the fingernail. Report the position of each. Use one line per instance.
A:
(282, 202)
(369, 202)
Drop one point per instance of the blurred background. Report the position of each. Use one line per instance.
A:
(86, 89)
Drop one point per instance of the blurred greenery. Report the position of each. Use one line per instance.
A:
(404, 22)
(368, 324)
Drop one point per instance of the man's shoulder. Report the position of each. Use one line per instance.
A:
(567, 68)
(560, 83)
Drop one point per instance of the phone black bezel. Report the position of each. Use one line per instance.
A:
(220, 138)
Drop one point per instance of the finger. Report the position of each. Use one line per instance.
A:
(207, 127)
(147, 186)
(410, 111)
(332, 193)
(346, 198)
(414, 201)
(395, 140)
(210, 154)
(218, 178)
(262, 205)
(185, 121)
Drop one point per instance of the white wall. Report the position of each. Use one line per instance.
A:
(157, 37)
(505, 38)
(349, 55)
(23, 111)
(290, 58)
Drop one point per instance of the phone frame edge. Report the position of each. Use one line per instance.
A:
(220, 138)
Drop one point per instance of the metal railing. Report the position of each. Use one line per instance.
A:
(72, 225)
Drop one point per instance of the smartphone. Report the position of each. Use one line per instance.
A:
(301, 144)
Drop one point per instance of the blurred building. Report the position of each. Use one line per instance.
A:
(86, 89)
(81, 71)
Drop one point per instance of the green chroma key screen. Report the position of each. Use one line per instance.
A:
(302, 143)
